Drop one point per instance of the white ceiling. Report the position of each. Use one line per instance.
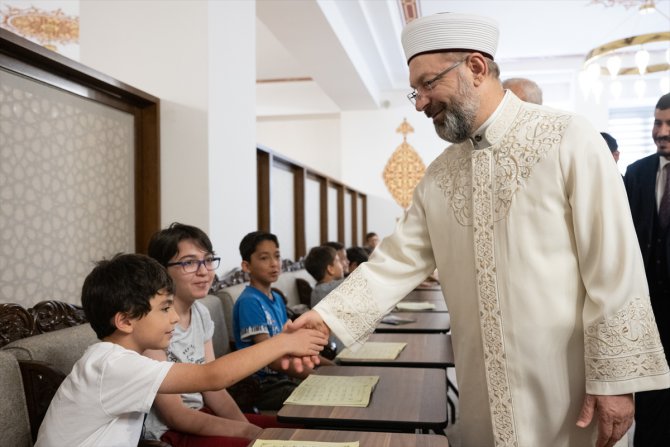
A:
(346, 54)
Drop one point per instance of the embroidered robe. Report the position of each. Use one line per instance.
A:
(529, 227)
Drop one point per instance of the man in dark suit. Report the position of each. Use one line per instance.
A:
(648, 187)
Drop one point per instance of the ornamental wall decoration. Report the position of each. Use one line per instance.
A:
(48, 28)
(404, 169)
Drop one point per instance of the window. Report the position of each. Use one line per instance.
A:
(632, 129)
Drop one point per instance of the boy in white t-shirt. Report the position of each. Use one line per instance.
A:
(104, 400)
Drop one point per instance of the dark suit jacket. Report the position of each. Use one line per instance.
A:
(640, 181)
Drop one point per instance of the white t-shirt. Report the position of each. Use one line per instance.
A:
(103, 401)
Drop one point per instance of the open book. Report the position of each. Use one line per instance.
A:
(334, 391)
(372, 350)
(282, 443)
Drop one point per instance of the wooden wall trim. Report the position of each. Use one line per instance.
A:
(340, 213)
(263, 168)
(299, 175)
(364, 219)
(266, 158)
(354, 217)
(53, 63)
(147, 177)
(323, 212)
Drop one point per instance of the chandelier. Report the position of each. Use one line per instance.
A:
(637, 55)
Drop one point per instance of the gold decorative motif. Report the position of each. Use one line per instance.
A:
(404, 170)
(625, 345)
(353, 304)
(47, 28)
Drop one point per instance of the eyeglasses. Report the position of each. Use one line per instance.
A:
(428, 85)
(193, 265)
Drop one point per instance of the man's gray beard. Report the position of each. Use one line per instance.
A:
(459, 116)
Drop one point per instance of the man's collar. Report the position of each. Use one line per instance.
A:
(497, 124)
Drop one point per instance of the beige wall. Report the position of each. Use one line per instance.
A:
(180, 52)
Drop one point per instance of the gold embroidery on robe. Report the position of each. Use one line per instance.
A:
(614, 345)
(360, 315)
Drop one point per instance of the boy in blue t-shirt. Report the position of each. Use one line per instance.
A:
(259, 314)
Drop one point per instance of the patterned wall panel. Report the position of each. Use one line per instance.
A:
(66, 189)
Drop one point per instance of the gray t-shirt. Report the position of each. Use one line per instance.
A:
(320, 291)
(186, 346)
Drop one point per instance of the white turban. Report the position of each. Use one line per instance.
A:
(450, 31)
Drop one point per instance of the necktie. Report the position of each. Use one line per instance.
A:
(664, 209)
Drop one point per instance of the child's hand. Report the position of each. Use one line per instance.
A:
(300, 363)
(310, 319)
(305, 342)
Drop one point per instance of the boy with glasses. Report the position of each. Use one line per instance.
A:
(194, 419)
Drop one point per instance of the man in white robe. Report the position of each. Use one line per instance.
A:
(527, 221)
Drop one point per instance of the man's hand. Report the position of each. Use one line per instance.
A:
(615, 416)
(311, 320)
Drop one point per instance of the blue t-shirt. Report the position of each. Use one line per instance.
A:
(255, 313)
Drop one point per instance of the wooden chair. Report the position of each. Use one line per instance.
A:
(15, 323)
(53, 315)
(15, 426)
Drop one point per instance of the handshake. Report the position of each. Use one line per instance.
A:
(308, 336)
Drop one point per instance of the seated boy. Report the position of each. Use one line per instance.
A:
(105, 398)
(194, 419)
(356, 256)
(324, 264)
(371, 242)
(342, 254)
(259, 314)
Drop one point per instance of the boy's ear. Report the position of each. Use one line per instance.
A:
(245, 266)
(123, 322)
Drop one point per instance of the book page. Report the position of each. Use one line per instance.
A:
(415, 305)
(282, 443)
(334, 391)
(374, 351)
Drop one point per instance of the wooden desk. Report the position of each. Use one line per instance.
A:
(424, 323)
(405, 399)
(365, 439)
(427, 296)
(422, 351)
(429, 285)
